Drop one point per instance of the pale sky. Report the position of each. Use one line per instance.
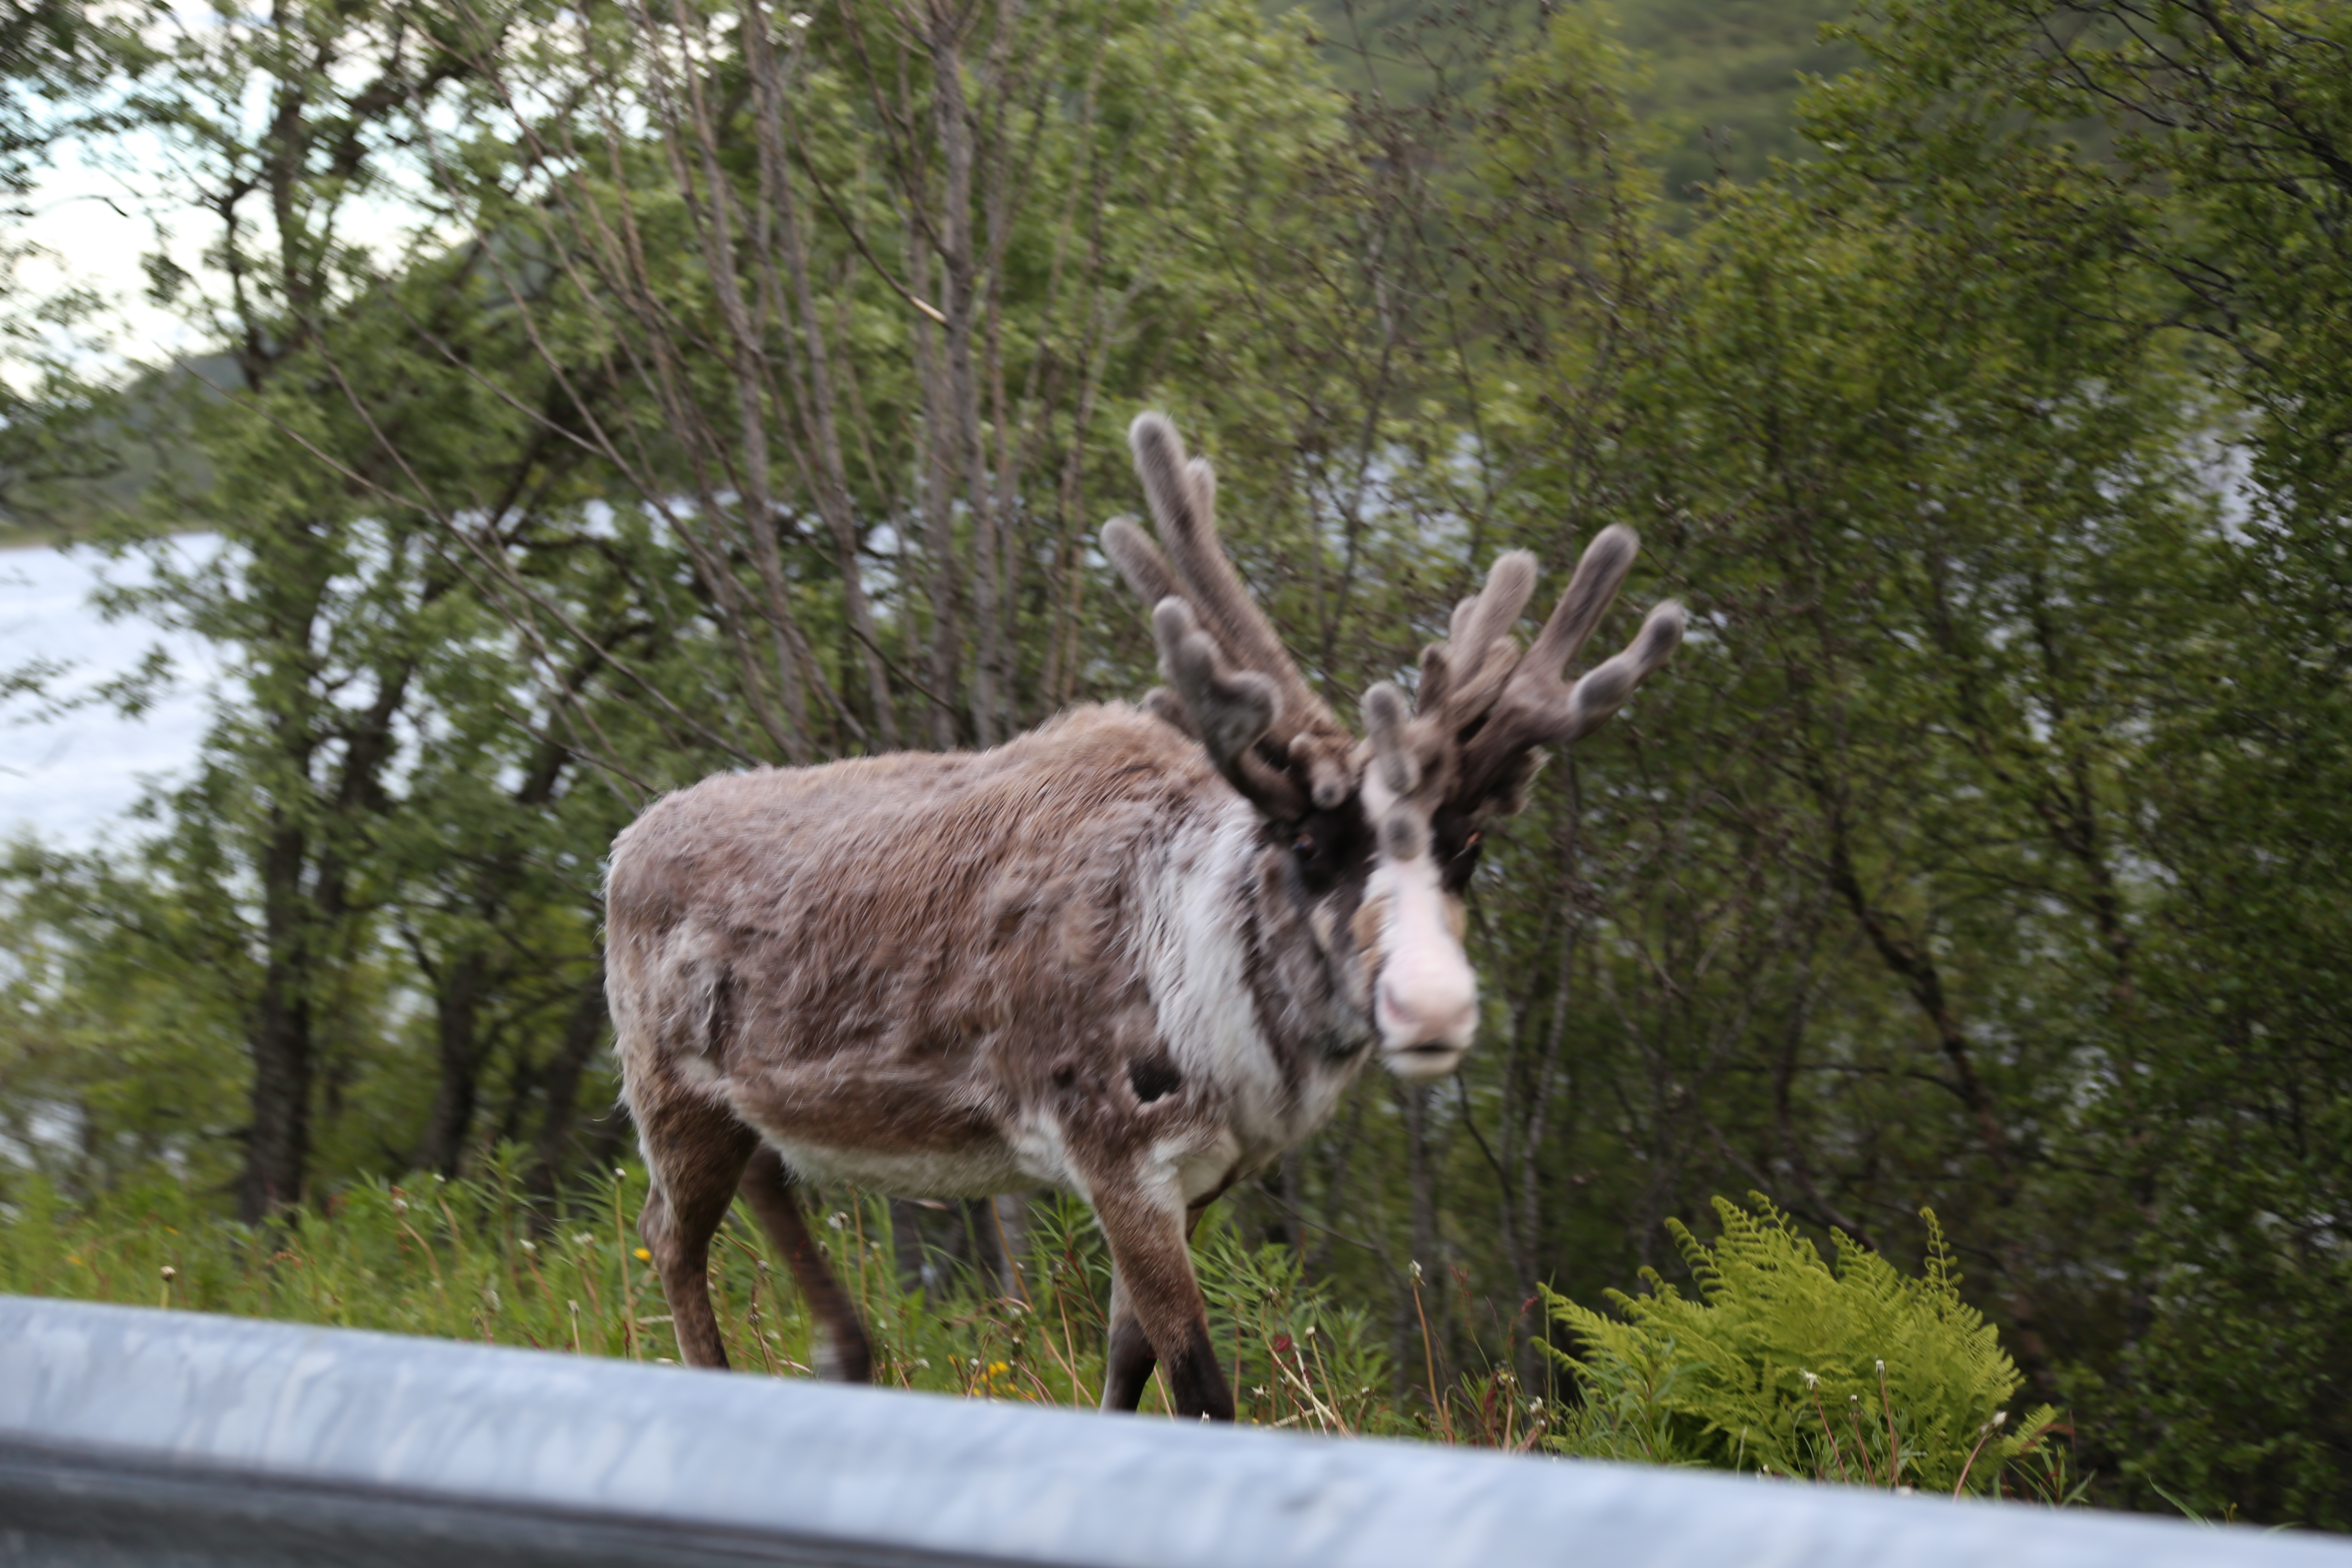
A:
(95, 224)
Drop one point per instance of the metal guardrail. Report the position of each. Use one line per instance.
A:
(130, 1435)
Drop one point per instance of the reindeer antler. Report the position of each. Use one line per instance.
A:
(1230, 710)
(1223, 645)
(1183, 494)
(1461, 677)
(1535, 705)
(1483, 707)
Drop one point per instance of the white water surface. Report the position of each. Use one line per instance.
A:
(70, 779)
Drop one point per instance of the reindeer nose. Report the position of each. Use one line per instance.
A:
(1426, 1008)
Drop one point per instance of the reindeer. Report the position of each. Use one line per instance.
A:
(1137, 952)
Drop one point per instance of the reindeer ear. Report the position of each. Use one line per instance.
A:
(1511, 791)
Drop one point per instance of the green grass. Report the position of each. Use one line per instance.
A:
(478, 1260)
(481, 1260)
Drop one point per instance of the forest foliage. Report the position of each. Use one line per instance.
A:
(604, 396)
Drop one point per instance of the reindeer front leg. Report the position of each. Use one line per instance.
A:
(1157, 1313)
(1128, 1359)
(1126, 1369)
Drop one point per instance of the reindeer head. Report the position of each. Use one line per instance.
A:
(1383, 833)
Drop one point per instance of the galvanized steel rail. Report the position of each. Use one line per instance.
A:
(143, 1437)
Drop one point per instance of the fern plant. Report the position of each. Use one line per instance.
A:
(1787, 1366)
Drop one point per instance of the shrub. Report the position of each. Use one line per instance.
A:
(1786, 1366)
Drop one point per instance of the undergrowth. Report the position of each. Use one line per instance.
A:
(479, 1260)
(1784, 1365)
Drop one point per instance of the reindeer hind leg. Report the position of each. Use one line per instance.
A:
(696, 1153)
(846, 1355)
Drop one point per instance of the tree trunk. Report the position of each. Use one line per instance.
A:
(582, 1035)
(938, 521)
(277, 1140)
(962, 423)
(457, 1008)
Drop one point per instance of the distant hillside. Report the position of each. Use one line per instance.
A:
(1723, 75)
(122, 456)
(1724, 78)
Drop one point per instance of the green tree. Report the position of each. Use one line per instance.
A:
(2221, 168)
(349, 627)
(54, 57)
(120, 1020)
(1983, 850)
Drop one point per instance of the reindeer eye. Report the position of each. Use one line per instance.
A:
(1303, 845)
(1472, 842)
